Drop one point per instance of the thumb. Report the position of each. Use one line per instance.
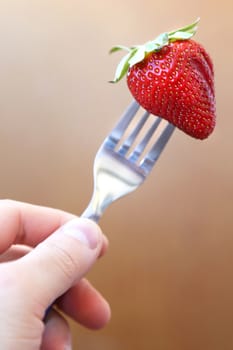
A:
(62, 259)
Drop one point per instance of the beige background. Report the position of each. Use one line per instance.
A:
(168, 274)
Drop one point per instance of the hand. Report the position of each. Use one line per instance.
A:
(44, 254)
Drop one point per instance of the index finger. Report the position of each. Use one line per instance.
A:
(23, 223)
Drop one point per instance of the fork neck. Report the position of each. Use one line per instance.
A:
(99, 202)
(90, 214)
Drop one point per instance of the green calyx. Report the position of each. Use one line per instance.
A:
(136, 54)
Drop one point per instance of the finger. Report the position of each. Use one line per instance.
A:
(61, 260)
(14, 252)
(57, 335)
(18, 251)
(85, 305)
(104, 247)
(28, 224)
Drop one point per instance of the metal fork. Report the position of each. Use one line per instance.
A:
(120, 165)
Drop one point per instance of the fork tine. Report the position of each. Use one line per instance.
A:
(131, 138)
(152, 156)
(142, 145)
(123, 123)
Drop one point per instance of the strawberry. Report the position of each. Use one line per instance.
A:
(173, 77)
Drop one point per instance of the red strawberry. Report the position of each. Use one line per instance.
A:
(172, 77)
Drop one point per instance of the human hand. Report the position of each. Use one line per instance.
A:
(62, 250)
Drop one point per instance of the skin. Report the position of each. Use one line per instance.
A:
(44, 256)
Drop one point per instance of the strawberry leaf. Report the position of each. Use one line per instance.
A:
(138, 56)
(180, 36)
(157, 44)
(122, 67)
(185, 32)
(118, 48)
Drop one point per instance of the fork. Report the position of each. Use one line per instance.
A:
(122, 163)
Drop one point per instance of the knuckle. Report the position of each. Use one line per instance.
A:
(64, 261)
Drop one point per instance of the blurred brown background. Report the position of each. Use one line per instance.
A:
(168, 274)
